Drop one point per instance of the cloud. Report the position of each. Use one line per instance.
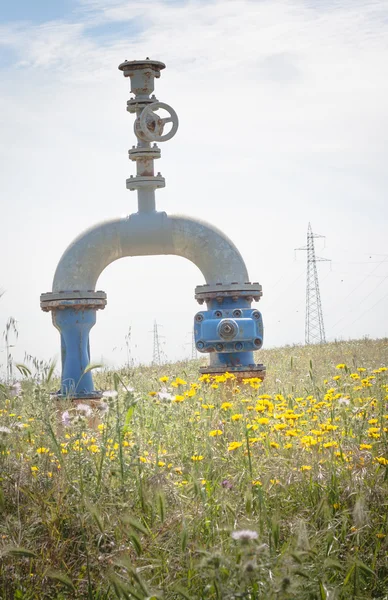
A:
(283, 120)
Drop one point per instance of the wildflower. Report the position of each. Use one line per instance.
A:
(164, 379)
(337, 377)
(331, 445)
(336, 505)
(161, 463)
(179, 399)
(263, 420)
(215, 432)
(236, 417)
(274, 445)
(365, 446)
(361, 369)
(110, 394)
(42, 450)
(234, 446)
(226, 405)
(380, 535)
(165, 396)
(101, 427)
(382, 460)
(152, 394)
(305, 468)
(256, 482)
(341, 366)
(227, 484)
(5, 430)
(197, 457)
(214, 386)
(178, 470)
(244, 535)
(84, 408)
(373, 421)
(34, 469)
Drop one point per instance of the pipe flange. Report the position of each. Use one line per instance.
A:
(138, 103)
(135, 153)
(77, 299)
(128, 66)
(144, 181)
(235, 290)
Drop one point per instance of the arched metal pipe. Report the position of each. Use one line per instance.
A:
(144, 234)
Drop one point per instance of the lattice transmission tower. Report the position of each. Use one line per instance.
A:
(314, 326)
(157, 354)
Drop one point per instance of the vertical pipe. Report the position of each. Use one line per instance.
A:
(74, 326)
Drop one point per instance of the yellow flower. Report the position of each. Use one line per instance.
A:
(380, 535)
(207, 406)
(178, 470)
(161, 464)
(274, 445)
(331, 445)
(373, 421)
(180, 381)
(178, 399)
(365, 446)
(305, 468)
(197, 457)
(256, 482)
(101, 427)
(164, 379)
(234, 446)
(93, 448)
(215, 432)
(214, 386)
(341, 366)
(382, 460)
(336, 377)
(152, 393)
(42, 450)
(237, 417)
(226, 405)
(263, 421)
(34, 469)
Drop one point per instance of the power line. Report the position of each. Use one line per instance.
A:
(314, 326)
(359, 285)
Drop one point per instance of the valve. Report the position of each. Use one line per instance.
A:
(228, 330)
(149, 126)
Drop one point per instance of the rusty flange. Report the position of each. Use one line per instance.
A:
(218, 291)
(77, 299)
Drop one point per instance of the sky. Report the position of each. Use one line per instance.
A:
(283, 121)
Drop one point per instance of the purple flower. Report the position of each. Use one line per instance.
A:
(227, 484)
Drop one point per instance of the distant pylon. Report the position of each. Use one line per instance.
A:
(314, 327)
(157, 353)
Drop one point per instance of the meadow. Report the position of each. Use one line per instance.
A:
(196, 487)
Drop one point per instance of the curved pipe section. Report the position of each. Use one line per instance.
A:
(144, 234)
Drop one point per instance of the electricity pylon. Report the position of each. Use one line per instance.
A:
(157, 353)
(314, 327)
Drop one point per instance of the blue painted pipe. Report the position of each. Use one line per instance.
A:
(74, 326)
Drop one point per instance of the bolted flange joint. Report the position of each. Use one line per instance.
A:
(229, 330)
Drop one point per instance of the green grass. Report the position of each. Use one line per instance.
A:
(278, 491)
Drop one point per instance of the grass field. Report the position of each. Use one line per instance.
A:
(198, 488)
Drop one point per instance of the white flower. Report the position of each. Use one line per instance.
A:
(344, 401)
(66, 418)
(5, 430)
(85, 408)
(165, 396)
(245, 535)
(110, 394)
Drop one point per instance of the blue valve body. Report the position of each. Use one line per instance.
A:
(231, 329)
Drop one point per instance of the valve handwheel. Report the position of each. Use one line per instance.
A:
(149, 118)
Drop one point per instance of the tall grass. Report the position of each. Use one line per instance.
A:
(201, 488)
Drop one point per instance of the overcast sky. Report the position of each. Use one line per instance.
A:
(283, 121)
